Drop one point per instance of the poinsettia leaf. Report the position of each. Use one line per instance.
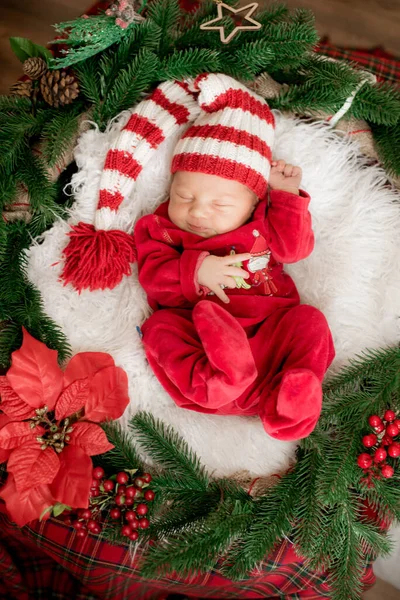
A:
(47, 511)
(86, 364)
(108, 396)
(34, 373)
(4, 455)
(72, 483)
(28, 505)
(72, 399)
(11, 404)
(90, 437)
(31, 466)
(17, 433)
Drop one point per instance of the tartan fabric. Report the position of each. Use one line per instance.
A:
(385, 66)
(48, 557)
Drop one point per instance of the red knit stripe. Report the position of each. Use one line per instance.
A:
(179, 112)
(146, 129)
(230, 134)
(184, 86)
(241, 99)
(223, 167)
(110, 199)
(122, 161)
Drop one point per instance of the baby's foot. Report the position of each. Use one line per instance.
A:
(285, 177)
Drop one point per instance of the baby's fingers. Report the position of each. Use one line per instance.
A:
(218, 291)
(236, 272)
(231, 259)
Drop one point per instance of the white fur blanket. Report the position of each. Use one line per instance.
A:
(353, 276)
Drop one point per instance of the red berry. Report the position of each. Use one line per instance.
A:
(364, 460)
(394, 450)
(139, 482)
(108, 485)
(126, 530)
(93, 493)
(95, 484)
(397, 422)
(97, 529)
(130, 515)
(68, 521)
(374, 421)
(135, 523)
(82, 533)
(121, 489)
(379, 428)
(142, 509)
(392, 430)
(389, 416)
(387, 471)
(386, 440)
(91, 525)
(120, 500)
(369, 440)
(380, 455)
(129, 501)
(86, 513)
(122, 477)
(147, 477)
(144, 523)
(115, 513)
(131, 492)
(98, 473)
(134, 536)
(149, 495)
(77, 524)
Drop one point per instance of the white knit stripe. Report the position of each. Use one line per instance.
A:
(115, 181)
(176, 93)
(225, 150)
(242, 120)
(133, 145)
(105, 219)
(216, 84)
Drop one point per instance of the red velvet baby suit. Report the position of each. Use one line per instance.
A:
(263, 353)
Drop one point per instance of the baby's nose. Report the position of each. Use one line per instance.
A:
(198, 211)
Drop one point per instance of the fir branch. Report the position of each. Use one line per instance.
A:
(379, 104)
(15, 134)
(200, 549)
(89, 79)
(272, 520)
(8, 185)
(189, 63)
(15, 104)
(168, 449)
(252, 58)
(165, 14)
(273, 14)
(124, 455)
(387, 141)
(129, 85)
(58, 132)
(192, 36)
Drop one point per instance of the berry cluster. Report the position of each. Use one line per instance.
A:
(123, 495)
(382, 444)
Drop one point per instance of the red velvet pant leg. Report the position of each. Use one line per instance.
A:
(201, 357)
(292, 350)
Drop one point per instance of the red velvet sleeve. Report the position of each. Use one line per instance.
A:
(291, 237)
(167, 273)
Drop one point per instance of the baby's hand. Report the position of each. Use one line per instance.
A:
(285, 177)
(215, 271)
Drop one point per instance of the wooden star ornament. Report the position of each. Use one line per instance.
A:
(250, 8)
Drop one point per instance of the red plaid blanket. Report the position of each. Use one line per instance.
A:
(47, 560)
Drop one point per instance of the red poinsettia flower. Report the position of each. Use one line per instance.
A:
(48, 425)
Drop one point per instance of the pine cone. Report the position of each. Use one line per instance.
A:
(21, 88)
(58, 88)
(34, 67)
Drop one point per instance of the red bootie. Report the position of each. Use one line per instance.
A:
(293, 409)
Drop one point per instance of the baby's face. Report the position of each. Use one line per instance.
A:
(209, 205)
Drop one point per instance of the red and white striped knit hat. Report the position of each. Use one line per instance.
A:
(98, 256)
(232, 137)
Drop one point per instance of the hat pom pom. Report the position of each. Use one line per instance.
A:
(97, 260)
